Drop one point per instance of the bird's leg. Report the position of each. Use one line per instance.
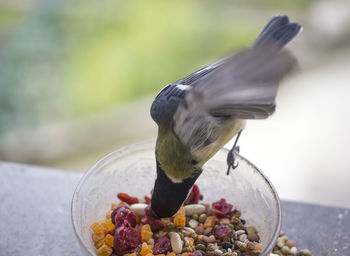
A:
(231, 155)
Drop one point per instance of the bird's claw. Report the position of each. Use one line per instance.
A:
(231, 159)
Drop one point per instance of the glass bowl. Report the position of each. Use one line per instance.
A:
(132, 170)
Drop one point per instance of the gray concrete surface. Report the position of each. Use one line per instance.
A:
(35, 216)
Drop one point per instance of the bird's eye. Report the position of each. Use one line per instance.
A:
(194, 162)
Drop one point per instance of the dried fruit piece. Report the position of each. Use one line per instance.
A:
(109, 240)
(105, 250)
(221, 208)
(113, 206)
(253, 237)
(125, 214)
(146, 232)
(153, 222)
(148, 200)
(108, 224)
(190, 241)
(97, 227)
(162, 246)
(126, 240)
(149, 211)
(258, 248)
(111, 232)
(194, 196)
(222, 231)
(145, 250)
(108, 214)
(115, 212)
(209, 222)
(127, 199)
(180, 217)
(98, 239)
(130, 254)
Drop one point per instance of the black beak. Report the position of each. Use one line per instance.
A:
(168, 196)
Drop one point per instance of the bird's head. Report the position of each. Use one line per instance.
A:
(177, 171)
(168, 195)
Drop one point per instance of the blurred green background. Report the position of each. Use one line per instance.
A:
(66, 59)
(77, 78)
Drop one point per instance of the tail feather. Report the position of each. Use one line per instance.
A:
(278, 31)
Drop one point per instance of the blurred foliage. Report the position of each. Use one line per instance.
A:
(65, 59)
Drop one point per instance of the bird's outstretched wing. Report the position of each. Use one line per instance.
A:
(244, 87)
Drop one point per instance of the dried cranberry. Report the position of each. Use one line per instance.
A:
(110, 232)
(149, 212)
(128, 199)
(222, 231)
(221, 208)
(125, 215)
(126, 240)
(194, 196)
(153, 222)
(115, 211)
(148, 200)
(162, 246)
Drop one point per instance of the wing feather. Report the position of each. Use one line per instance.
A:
(243, 87)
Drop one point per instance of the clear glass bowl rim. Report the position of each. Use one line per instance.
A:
(267, 250)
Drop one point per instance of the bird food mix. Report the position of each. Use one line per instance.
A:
(132, 229)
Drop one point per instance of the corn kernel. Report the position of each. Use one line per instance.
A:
(130, 254)
(105, 250)
(109, 240)
(97, 227)
(121, 203)
(145, 250)
(146, 232)
(108, 224)
(97, 237)
(98, 244)
(180, 217)
(108, 214)
(210, 222)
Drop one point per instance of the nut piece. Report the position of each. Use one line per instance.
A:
(193, 223)
(293, 251)
(224, 221)
(192, 209)
(139, 209)
(176, 243)
(305, 252)
(254, 238)
(199, 230)
(291, 243)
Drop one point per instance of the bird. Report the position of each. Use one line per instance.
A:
(197, 115)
